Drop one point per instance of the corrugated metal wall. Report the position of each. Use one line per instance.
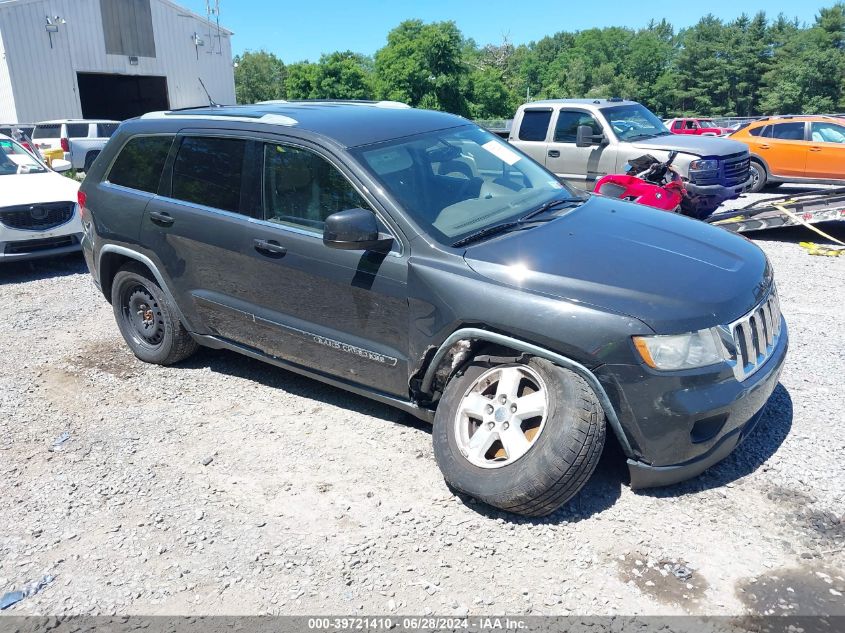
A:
(44, 79)
(7, 101)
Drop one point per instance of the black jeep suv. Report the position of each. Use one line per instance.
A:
(413, 257)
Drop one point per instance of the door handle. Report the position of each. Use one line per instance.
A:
(161, 218)
(765, 146)
(269, 248)
(815, 149)
(553, 153)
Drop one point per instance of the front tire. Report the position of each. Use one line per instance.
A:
(759, 175)
(146, 319)
(522, 437)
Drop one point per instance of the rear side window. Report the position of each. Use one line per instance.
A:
(77, 130)
(567, 125)
(208, 170)
(53, 130)
(140, 162)
(756, 131)
(788, 131)
(535, 124)
(105, 130)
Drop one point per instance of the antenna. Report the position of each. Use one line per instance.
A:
(211, 101)
(213, 11)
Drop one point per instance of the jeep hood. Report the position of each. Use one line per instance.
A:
(691, 144)
(673, 273)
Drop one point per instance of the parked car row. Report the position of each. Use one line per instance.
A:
(78, 141)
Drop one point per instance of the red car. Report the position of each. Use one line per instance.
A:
(701, 127)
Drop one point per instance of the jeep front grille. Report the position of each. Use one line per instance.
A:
(36, 217)
(753, 338)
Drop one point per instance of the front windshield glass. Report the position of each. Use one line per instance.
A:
(706, 123)
(14, 159)
(633, 122)
(458, 181)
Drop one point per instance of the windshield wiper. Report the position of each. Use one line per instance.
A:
(529, 219)
(504, 227)
(548, 206)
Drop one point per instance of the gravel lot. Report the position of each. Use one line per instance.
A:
(226, 486)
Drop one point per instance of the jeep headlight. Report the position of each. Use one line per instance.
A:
(704, 164)
(680, 351)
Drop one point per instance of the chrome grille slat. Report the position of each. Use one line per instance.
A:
(755, 336)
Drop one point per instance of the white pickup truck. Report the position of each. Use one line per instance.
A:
(81, 140)
(582, 140)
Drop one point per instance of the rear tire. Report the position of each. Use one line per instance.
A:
(562, 450)
(146, 319)
(759, 175)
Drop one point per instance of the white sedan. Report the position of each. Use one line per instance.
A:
(38, 215)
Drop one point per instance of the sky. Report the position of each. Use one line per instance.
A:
(303, 30)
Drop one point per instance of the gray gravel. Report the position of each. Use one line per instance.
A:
(226, 486)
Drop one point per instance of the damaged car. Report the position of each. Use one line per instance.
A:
(417, 259)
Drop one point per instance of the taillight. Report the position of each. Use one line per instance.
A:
(81, 198)
(65, 145)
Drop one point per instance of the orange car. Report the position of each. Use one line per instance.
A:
(804, 149)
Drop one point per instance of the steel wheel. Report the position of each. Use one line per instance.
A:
(143, 314)
(501, 416)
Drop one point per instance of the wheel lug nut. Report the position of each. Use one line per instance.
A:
(513, 408)
(490, 425)
(505, 426)
(489, 408)
(503, 398)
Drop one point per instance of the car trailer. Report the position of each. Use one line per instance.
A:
(804, 209)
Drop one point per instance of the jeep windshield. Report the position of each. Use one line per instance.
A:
(460, 182)
(634, 122)
(14, 159)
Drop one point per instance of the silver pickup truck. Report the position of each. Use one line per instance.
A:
(581, 140)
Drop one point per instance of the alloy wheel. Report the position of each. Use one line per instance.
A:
(501, 416)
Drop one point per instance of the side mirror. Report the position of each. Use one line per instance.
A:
(584, 137)
(353, 230)
(60, 165)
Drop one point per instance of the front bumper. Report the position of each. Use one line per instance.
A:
(681, 424)
(718, 190)
(40, 247)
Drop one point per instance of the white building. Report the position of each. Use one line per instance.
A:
(110, 59)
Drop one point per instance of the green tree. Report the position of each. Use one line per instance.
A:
(343, 75)
(259, 76)
(302, 81)
(422, 65)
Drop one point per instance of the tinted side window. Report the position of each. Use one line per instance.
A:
(105, 130)
(139, 164)
(755, 131)
(568, 122)
(788, 131)
(207, 171)
(77, 130)
(47, 131)
(535, 124)
(302, 189)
